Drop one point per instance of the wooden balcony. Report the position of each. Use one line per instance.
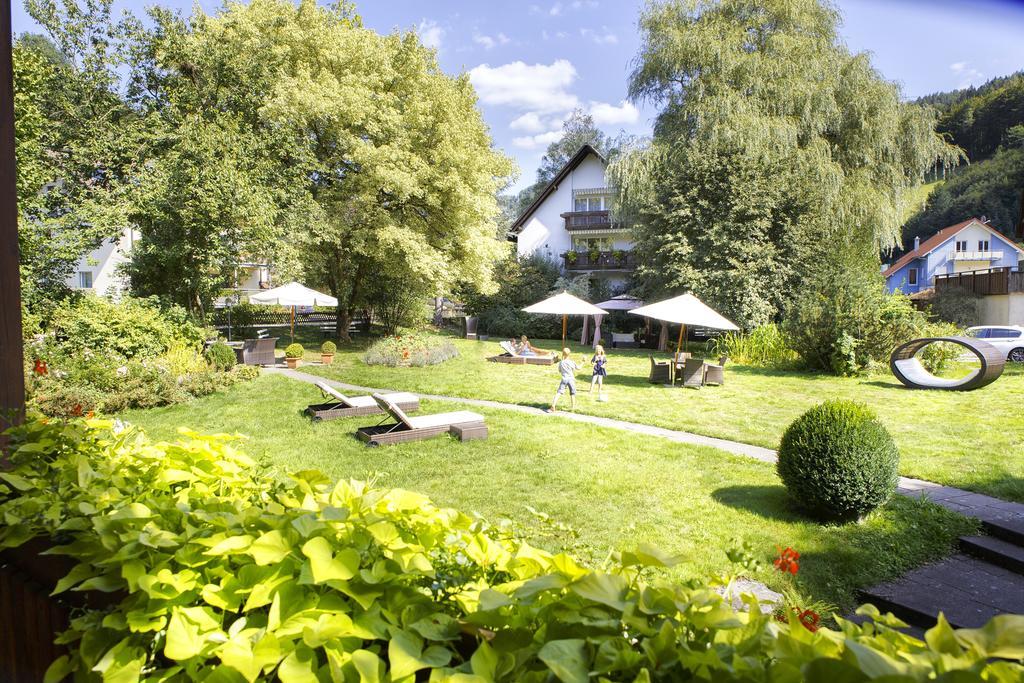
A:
(983, 282)
(589, 220)
(602, 260)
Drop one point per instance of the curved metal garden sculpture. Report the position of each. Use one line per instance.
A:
(908, 369)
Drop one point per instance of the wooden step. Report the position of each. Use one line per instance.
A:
(994, 551)
(969, 591)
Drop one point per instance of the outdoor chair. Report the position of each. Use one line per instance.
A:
(256, 351)
(715, 374)
(693, 373)
(338, 405)
(622, 341)
(462, 424)
(661, 372)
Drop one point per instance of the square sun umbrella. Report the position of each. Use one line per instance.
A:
(622, 302)
(564, 304)
(685, 310)
(293, 294)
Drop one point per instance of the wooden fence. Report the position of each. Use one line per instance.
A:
(982, 282)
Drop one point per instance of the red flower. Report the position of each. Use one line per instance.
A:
(40, 367)
(76, 410)
(787, 560)
(809, 619)
(405, 353)
(90, 415)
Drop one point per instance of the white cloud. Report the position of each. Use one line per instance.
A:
(602, 37)
(606, 114)
(967, 74)
(489, 42)
(535, 141)
(530, 122)
(539, 88)
(535, 9)
(580, 4)
(556, 9)
(430, 33)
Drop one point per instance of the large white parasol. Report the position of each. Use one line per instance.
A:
(685, 310)
(564, 304)
(293, 294)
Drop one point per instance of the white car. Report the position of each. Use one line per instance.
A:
(1007, 338)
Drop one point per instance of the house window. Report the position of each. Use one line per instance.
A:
(587, 204)
(586, 244)
(85, 279)
(982, 245)
(961, 245)
(912, 276)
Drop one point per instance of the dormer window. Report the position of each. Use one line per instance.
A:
(982, 245)
(961, 245)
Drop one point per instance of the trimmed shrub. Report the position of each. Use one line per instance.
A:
(838, 461)
(220, 356)
(294, 350)
(210, 564)
(328, 347)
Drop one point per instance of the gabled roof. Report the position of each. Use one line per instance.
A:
(940, 238)
(571, 165)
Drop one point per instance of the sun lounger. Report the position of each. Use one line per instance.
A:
(462, 424)
(510, 356)
(339, 405)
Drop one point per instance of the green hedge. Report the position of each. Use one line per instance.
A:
(230, 575)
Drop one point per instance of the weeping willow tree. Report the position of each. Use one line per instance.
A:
(779, 159)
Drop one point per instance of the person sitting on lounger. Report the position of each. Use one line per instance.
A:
(525, 348)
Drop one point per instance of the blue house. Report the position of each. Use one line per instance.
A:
(960, 248)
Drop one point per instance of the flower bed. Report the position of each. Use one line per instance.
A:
(210, 564)
(410, 350)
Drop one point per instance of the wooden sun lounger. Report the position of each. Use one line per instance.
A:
(510, 356)
(462, 424)
(352, 406)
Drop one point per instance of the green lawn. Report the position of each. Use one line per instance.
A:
(972, 440)
(609, 489)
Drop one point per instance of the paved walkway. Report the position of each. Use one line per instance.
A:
(982, 507)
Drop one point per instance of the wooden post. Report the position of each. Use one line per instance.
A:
(12, 378)
(679, 342)
(565, 319)
(292, 333)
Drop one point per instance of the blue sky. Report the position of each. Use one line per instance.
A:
(533, 62)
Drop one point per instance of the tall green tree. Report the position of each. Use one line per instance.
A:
(776, 151)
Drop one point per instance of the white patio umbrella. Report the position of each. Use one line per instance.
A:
(564, 304)
(293, 294)
(685, 310)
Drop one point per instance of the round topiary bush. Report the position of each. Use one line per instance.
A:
(294, 350)
(220, 356)
(838, 461)
(328, 347)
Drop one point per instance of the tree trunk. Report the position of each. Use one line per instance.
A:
(438, 311)
(663, 338)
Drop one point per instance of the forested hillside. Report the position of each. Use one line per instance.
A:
(987, 122)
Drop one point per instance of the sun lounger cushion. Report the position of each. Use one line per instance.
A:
(457, 417)
(392, 408)
(397, 397)
(508, 348)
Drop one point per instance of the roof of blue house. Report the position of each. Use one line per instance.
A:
(940, 238)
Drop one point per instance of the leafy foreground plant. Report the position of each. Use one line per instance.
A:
(230, 575)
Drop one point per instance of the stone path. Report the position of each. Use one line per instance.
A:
(984, 579)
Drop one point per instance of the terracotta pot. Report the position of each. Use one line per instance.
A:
(326, 358)
(293, 362)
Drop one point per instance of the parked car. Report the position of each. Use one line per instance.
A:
(1007, 338)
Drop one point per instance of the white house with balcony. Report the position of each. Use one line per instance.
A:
(571, 221)
(970, 246)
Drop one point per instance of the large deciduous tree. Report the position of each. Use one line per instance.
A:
(779, 158)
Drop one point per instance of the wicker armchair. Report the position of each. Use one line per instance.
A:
(715, 374)
(661, 372)
(693, 373)
(256, 351)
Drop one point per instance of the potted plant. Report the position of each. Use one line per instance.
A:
(293, 355)
(619, 256)
(595, 255)
(327, 351)
(571, 256)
